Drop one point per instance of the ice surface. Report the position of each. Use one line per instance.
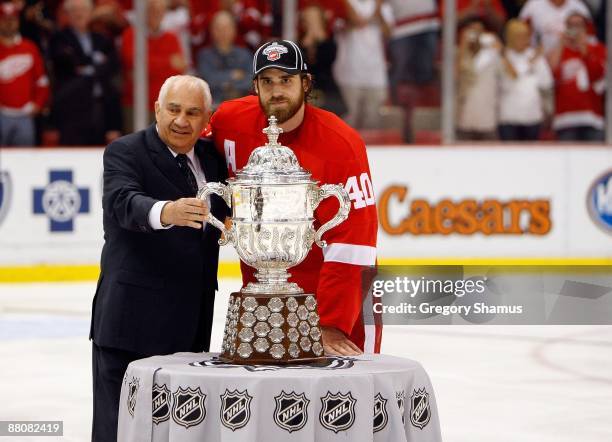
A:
(501, 383)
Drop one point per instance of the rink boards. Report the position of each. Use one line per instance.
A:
(516, 204)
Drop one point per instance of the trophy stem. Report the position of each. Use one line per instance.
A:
(272, 276)
(271, 280)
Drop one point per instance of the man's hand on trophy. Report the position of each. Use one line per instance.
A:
(335, 343)
(190, 212)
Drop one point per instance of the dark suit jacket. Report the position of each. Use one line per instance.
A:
(73, 93)
(152, 282)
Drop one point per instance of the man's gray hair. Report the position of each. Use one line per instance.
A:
(187, 81)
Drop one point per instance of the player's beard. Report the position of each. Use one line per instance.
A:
(285, 113)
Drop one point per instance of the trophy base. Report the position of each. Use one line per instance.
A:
(272, 328)
(259, 288)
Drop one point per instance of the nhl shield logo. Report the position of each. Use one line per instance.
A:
(291, 412)
(161, 403)
(274, 51)
(380, 413)
(399, 396)
(5, 194)
(337, 411)
(235, 409)
(188, 408)
(419, 408)
(132, 395)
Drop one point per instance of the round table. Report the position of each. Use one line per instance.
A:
(196, 397)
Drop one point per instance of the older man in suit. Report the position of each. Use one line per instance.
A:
(158, 275)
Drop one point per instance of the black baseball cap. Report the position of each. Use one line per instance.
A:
(281, 54)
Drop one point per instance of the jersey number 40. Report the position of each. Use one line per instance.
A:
(361, 192)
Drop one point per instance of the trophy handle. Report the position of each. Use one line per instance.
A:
(224, 192)
(326, 191)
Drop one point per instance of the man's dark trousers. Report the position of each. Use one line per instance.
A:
(109, 365)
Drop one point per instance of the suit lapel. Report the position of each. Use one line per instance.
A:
(164, 160)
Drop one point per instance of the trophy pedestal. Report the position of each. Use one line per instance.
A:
(272, 329)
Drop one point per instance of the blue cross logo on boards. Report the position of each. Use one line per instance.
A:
(61, 201)
(599, 201)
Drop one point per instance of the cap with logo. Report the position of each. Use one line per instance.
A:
(282, 54)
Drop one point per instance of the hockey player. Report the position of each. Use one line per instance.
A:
(334, 153)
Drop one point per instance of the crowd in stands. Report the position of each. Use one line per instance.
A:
(542, 69)
(525, 69)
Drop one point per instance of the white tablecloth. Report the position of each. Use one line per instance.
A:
(189, 397)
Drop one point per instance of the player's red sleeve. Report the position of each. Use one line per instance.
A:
(351, 246)
(41, 91)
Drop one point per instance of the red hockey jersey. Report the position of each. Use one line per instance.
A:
(579, 88)
(23, 81)
(334, 154)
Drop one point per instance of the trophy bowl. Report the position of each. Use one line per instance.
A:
(273, 200)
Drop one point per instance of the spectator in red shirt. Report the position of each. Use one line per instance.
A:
(578, 65)
(24, 86)
(165, 57)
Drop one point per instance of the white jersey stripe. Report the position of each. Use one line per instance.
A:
(350, 254)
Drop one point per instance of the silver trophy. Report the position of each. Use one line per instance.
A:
(273, 199)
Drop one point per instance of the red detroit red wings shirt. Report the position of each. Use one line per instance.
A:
(23, 80)
(335, 154)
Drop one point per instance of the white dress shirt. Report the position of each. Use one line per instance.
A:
(196, 168)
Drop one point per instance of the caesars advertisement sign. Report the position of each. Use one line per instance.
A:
(497, 202)
(464, 217)
(453, 202)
